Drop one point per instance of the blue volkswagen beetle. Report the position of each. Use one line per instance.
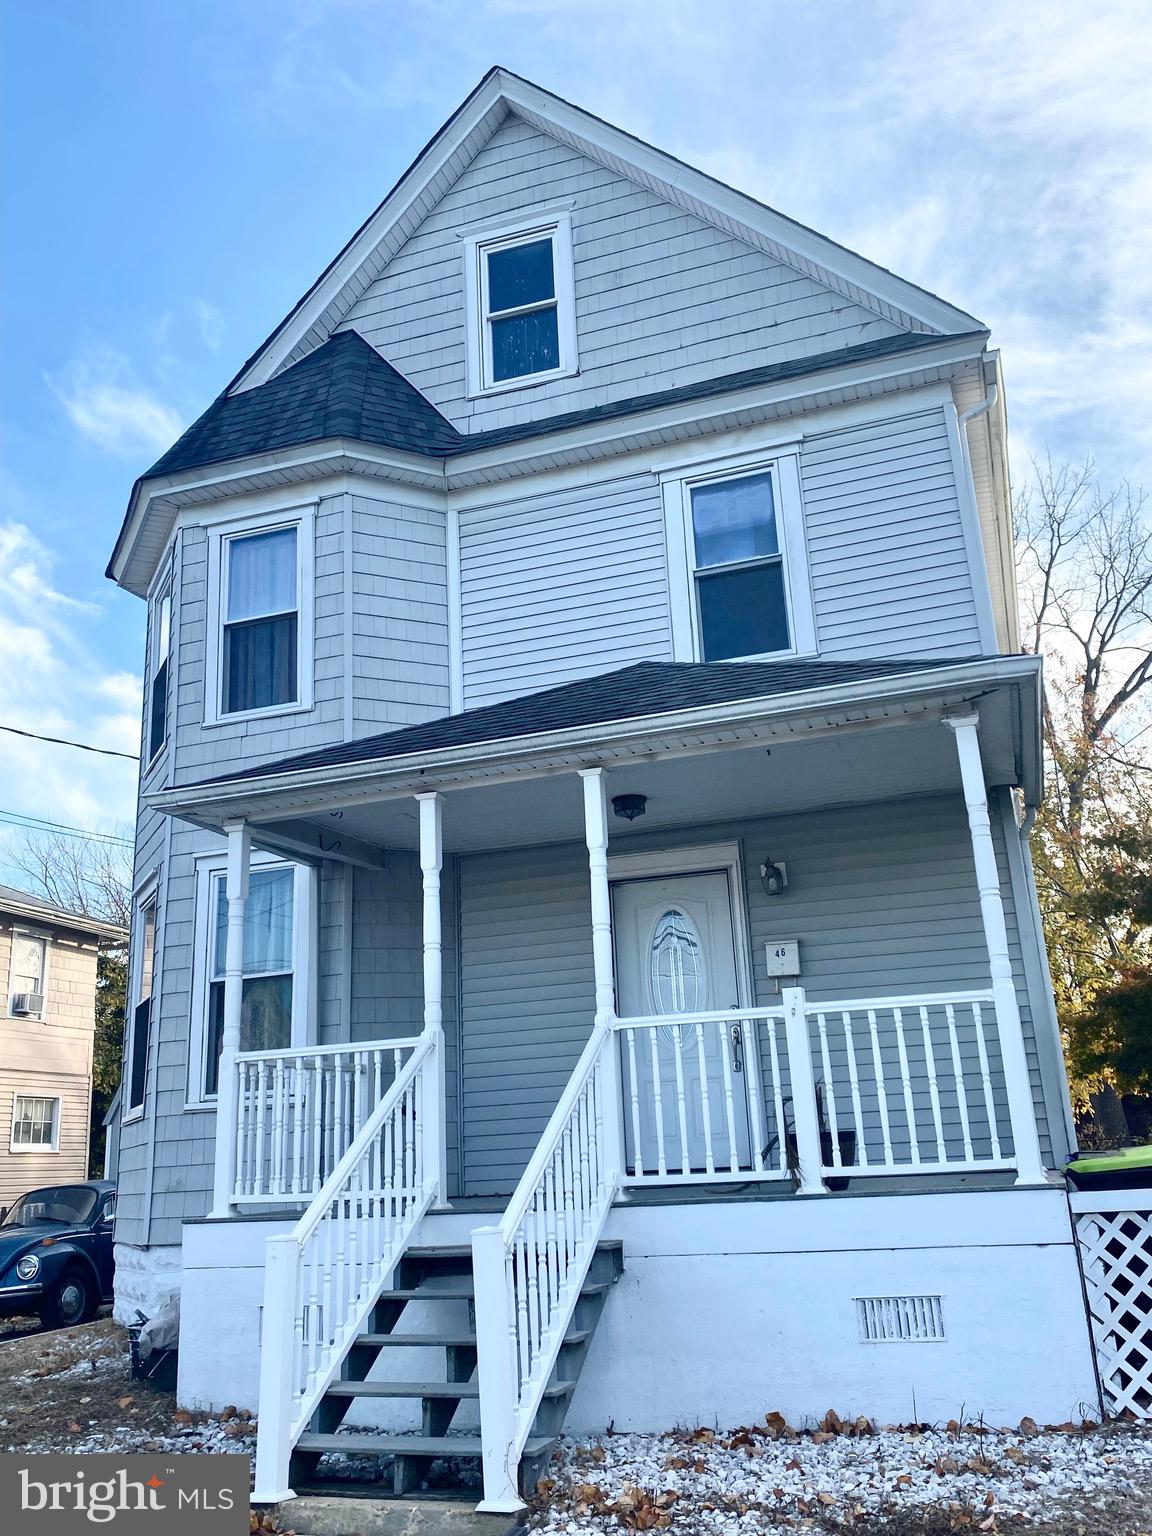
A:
(56, 1253)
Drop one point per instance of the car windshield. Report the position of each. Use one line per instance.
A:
(64, 1204)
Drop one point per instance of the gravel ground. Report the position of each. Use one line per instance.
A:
(916, 1481)
(72, 1390)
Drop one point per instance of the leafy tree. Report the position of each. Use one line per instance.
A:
(1086, 566)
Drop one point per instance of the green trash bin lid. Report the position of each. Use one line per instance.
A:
(1113, 1162)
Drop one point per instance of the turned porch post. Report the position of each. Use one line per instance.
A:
(434, 1105)
(227, 1097)
(1021, 1108)
(596, 836)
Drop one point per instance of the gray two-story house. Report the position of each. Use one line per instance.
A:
(587, 961)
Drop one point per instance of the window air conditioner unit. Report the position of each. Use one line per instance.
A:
(27, 1002)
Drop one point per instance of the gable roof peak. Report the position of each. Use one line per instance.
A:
(443, 159)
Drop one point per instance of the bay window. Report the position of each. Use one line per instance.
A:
(274, 1004)
(161, 645)
(260, 617)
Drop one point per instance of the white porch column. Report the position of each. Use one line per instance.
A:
(227, 1099)
(1021, 1109)
(805, 1106)
(596, 836)
(435, 1140)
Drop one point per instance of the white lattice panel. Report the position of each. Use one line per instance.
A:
(1116, 1256)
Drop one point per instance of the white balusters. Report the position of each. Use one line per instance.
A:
(322, 1279)
(299, 1110)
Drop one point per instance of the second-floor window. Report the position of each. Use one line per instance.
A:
(520, 289)
(741, 600)
(261, 635)
(161, 645)
(140, 1025)
(26, 978)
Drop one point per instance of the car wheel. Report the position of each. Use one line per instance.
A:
(71, 1300)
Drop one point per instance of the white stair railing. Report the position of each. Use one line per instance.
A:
(530, 1269)
(322, 1279)
(299, 1110)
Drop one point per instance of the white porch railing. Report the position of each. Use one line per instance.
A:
(910, 1083)
(298, 1112)
(814, 1090)
(529, 1270)
(322, 1279)
(704, 1096)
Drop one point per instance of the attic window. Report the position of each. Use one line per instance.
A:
(522, 326)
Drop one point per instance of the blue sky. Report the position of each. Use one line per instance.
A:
(178, 173)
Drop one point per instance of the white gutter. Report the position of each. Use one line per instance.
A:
(640, 733)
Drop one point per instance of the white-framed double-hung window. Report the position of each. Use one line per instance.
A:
(521, 305)
(35, 1123)
(260, 617)
(276, 1002)
(140, 1021)
(740, 588)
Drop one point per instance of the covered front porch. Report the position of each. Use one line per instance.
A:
(803, 968)
(797, 956)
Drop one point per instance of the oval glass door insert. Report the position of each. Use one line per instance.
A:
(677, 978)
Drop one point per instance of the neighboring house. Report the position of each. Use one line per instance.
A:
(587, 778)
(47, 1024)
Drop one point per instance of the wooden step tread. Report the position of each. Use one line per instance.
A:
(459, 1389)
(464, 1290)
(410, 1445)
(440, 1251)
(456, 1389)
(447, 1340)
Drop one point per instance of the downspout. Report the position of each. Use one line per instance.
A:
(971, 414)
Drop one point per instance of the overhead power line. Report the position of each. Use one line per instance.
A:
(38, 824)
(59, 741)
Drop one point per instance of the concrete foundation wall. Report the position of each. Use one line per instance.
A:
(728, 1310)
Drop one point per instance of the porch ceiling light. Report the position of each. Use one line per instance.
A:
(629, 806)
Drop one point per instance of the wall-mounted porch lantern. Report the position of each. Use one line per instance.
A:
(629, 806)
(773, 877)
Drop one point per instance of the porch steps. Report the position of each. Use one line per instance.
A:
(430, 1276)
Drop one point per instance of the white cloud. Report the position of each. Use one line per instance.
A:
(52, 683)
(211, 323)
(106, 405)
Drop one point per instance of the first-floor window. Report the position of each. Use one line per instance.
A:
(269, 970)
(35, 1123)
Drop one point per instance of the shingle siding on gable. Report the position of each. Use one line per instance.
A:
(889, 566)
(662, 299)
(559, 587)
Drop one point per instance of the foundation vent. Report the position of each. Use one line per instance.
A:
(900, 1319)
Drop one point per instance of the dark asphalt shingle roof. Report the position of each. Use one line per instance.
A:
(346, 389)
(647, 688)
(342, 389)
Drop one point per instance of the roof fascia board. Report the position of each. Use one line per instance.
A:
(643, 730)
(51, 917)
(479, 116)
(525, 456)
(823, 257)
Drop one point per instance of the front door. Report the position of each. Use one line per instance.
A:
(676, 954)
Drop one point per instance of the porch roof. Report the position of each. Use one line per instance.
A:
(647, 710)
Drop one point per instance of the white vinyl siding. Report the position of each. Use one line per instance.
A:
(889, 566)
(661, 298)
(557, 588)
